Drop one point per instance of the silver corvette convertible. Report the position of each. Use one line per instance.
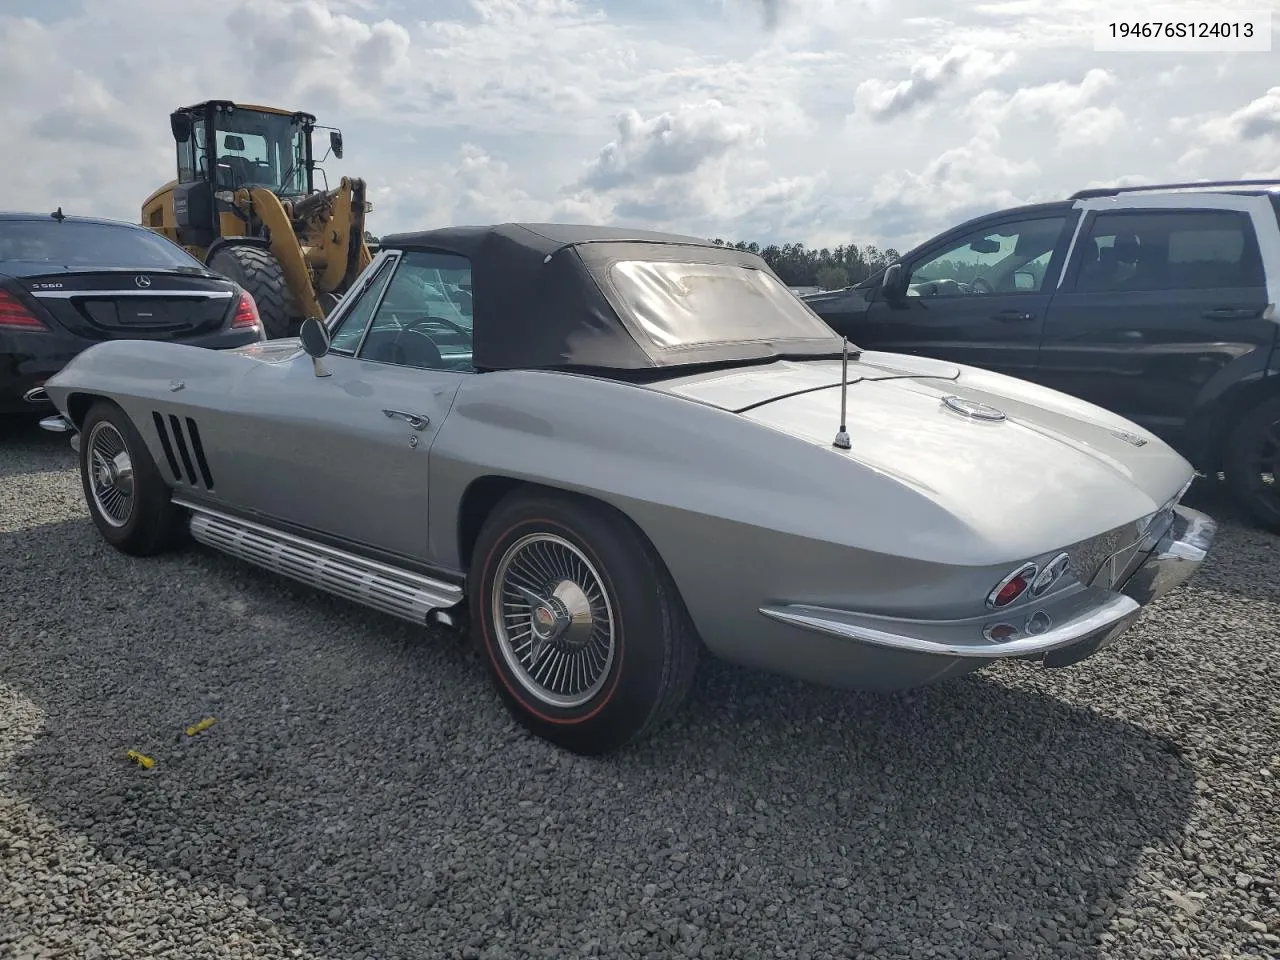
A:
(606, 451)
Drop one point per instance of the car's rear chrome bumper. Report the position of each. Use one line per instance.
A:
(1176, 556)
(1073, 626)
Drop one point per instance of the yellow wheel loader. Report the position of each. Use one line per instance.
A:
(245, 204)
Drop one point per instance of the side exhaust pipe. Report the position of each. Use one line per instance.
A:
(60, 424)
(57, 424)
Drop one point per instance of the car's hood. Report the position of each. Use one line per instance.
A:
(745, 387)
(1051, 452)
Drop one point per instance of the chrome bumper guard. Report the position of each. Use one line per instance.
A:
(1068, 630)
(1176, 556)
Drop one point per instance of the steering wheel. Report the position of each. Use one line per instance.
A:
(430, 318)
(980, 285)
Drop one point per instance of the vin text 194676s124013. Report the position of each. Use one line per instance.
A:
(607, 450)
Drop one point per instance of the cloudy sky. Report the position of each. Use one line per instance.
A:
(819, 121)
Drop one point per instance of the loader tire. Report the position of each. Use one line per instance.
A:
(258, 271)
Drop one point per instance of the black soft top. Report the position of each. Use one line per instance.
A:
(543, 296)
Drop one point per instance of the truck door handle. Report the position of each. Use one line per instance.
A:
(415, 421)
(1007, 316)
(1232, 313)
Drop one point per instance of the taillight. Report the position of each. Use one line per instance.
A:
(14, 316)
(246, 317)
(1012, 587)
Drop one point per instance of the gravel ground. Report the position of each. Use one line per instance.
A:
(363, 794)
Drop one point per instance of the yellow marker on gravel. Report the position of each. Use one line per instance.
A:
(195, 728)
(141, 759)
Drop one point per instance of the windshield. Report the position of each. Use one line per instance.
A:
(262, 150)
(72, 244)
(432, 283)
(680, 304)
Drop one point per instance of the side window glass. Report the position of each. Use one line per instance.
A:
(187, 160)
(346, 337)
(197, 147)
(425, 318)
(1170, 250)
(1009, 258)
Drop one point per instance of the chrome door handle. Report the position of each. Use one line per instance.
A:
(415, 421)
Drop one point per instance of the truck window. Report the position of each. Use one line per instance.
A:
(1170, 250)
(1007, 258)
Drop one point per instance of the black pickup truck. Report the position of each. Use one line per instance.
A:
(1159, 303)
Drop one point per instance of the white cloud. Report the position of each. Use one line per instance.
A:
(87, 113)
(956, 184)
(1257, 120)
(929, 79)
(672, 144)
(1069, 110)
(836, 121)
(309, 49)
(1239, 143)
(1047, 101)
(1091, 127)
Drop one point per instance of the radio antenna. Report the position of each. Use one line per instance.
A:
(842, 436)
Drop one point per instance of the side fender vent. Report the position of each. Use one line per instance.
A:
(198, 448)
(163, 431)
(180, 447)
(181, 442)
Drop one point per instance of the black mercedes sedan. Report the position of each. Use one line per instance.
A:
(69, 282)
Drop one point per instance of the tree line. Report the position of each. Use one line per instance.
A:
(798, 266)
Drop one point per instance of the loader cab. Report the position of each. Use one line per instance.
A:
(221, 147)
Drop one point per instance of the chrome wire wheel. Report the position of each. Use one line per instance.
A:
(111, 480)
(554, 620)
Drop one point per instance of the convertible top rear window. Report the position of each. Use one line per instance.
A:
(678, 304)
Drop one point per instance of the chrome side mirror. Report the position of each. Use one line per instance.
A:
(314, 337)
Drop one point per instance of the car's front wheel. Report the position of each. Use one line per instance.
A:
(127, 498)
(584, 632)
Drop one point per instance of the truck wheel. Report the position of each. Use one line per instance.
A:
(585, 635)
(259, 272)
(1252, 463)
(127, 498)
